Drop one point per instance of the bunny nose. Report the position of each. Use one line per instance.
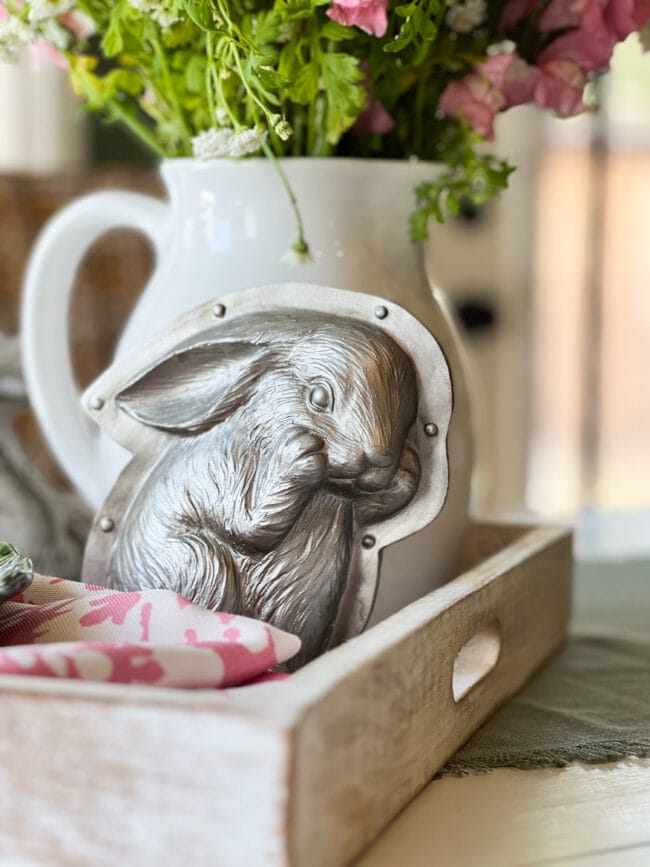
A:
(380, 468)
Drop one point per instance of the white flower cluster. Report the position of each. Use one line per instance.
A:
(45, 10)
(14, 34)
(159, 10)
(225, 142)
(466, 16)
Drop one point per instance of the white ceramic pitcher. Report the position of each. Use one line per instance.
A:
(228, 225)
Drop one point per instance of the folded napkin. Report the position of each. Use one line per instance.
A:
(57, 628)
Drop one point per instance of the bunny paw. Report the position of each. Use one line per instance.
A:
(306, 458)
(409, 468)
(406, 480)
(398, 494)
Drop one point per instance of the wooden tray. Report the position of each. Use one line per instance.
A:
(303, 773)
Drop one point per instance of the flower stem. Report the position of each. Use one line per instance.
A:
(301, 246)
(242, 75)
(171, 91)
(209, 80)
(137, 127)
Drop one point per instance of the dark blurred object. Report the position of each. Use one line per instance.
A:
(470, 212)
(477, 315)
(111, 143)
(16, 571)
(106, 287)
(50, 525)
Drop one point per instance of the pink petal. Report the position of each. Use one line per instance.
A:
(375, 119)
(368, 15)
(515, 11)
(590, 46)
(560, 88)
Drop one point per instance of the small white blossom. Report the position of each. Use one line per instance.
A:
(283, 130)
(214, 143)
(14, 34)
(247, 141)
(222, 116)
(55, 35)
(466, 16)
(158, 9)
(81, 25)
(297, 255)
(45, 10)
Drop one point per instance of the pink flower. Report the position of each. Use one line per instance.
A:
(625, 16)
(515, 11)
(375, 119)
(560, 87)
(476, 100)
(512, 76)
(502, 81)
(590, 45)
(495, 68)
(42, 54)
(619, 17)
(369, 15)
(561, 14)
(78, 23)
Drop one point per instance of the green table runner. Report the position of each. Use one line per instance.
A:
(592, 702)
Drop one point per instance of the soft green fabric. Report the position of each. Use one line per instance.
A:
(592, 702)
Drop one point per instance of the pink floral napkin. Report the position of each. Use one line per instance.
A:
(58, 628)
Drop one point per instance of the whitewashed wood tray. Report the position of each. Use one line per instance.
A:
(303, 773)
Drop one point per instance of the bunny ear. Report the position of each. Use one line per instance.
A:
(196, 388)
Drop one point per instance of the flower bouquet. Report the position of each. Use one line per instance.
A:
(421, 79)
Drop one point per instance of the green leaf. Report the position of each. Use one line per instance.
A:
(427, 29)
(201, 13)
(336, 32)
(295, 10)
(472, 180)
(452, 204)
(406, 10)
(123, 81)
(195, 74)
(270, 79)
(345, 98)
(267, 27)
(84, 81)
(305, 88)
(113, 40)
(403, 38)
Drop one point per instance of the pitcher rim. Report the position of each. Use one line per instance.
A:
(411, 163)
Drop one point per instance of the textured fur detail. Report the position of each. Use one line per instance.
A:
(255, 514)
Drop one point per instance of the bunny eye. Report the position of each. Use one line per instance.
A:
(321, 398)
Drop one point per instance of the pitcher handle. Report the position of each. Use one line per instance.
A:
(47, 364)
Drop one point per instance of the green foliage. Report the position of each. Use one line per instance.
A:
(419, 25)
(171, 69)
(471, 179)
(472, 183)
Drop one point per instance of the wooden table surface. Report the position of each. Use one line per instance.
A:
(582, 815)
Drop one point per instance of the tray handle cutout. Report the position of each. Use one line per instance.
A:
(475, 660)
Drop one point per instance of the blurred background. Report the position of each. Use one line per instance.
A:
(551, 284)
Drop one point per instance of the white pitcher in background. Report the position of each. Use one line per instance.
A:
(228, 225)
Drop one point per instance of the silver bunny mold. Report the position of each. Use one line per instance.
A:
(270, 443)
